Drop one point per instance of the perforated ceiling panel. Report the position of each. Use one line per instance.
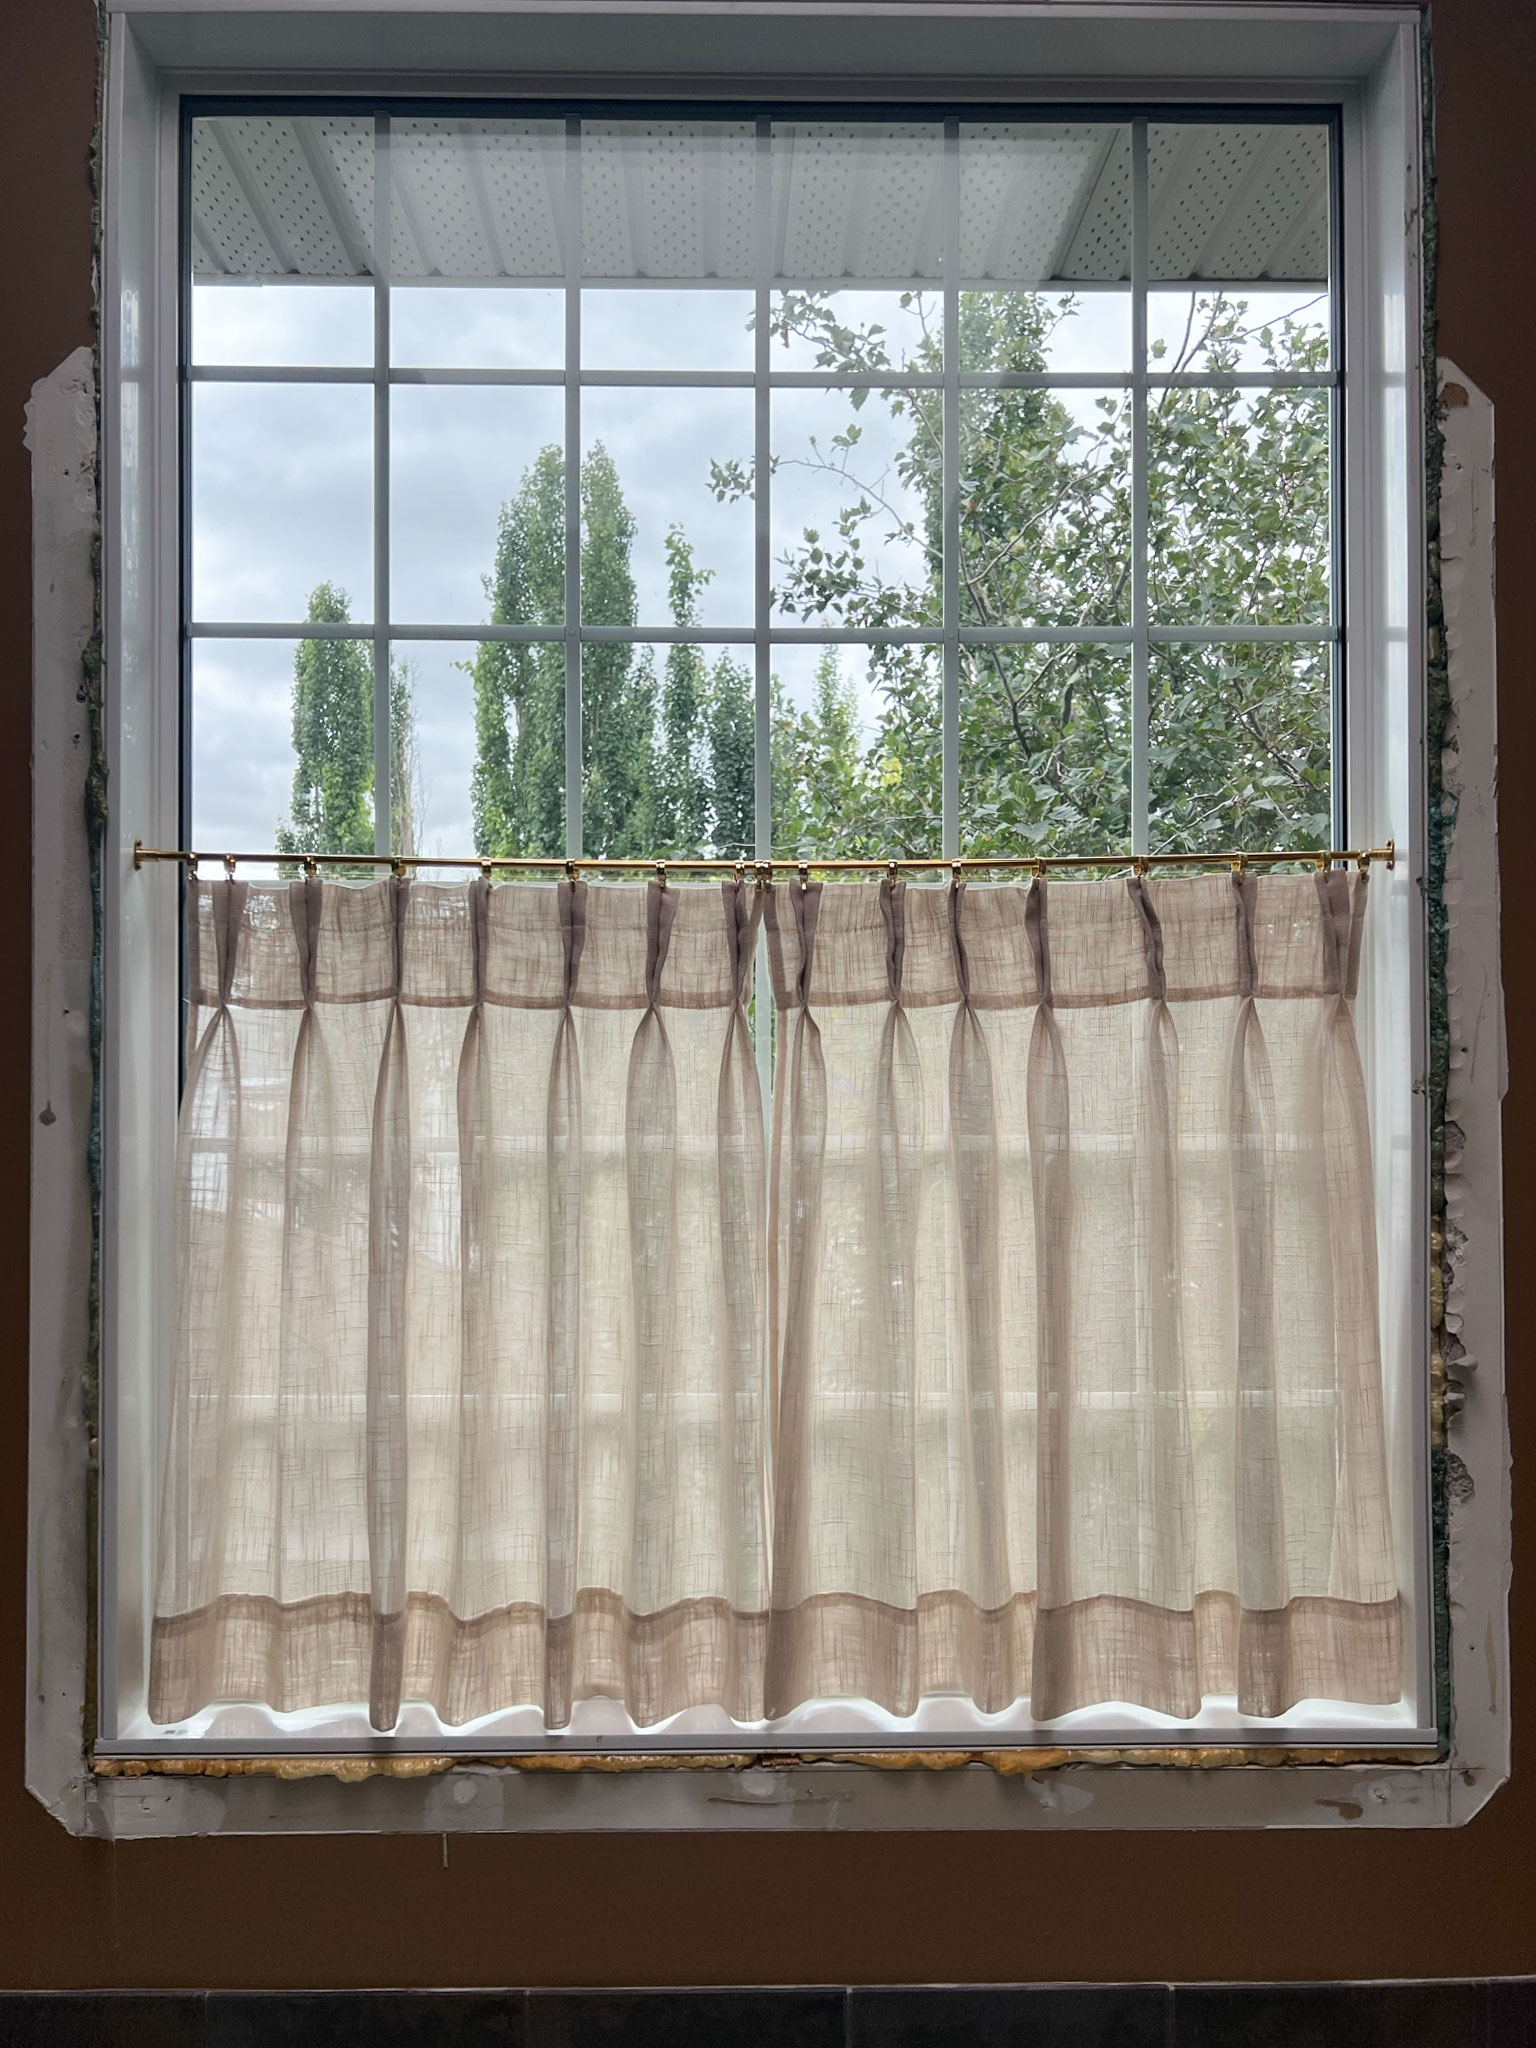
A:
(1022, 193)
(280, 198)
(472, 200)
(853, 201)
(1238, 202)
(667, 199)
(476, 199)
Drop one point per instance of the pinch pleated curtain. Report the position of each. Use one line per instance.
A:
(1037, 1356)
(469, 1398)
(1079, 1391)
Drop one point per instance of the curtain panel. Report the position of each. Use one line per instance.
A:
(1034, 1355)
(469, 1400)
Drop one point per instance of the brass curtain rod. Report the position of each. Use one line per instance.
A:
(764, 870)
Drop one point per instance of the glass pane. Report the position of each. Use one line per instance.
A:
(282, 745)
(668, 200)
(1239, 494)
(307, 326)
(1248, 327)
(1239, 753)
(282, 195)
(477, 504)
(668, 750)
(487, 327)
(856, 507)
(857, 744)
(475, 199)
(477, 747)
(842, 331)
(1045, 529)
(859, 202)
(282, 498)
(242, 741)
(653, 517)
(1045, 749)
(1079, 332)
(1238, 202)
(643, 329)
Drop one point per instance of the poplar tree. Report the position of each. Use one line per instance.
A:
(618, 688)
(405, 795)
(331, 810)
(732, 785)
(681, 807)
(517, 789)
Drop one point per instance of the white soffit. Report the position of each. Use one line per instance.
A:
(472, 201)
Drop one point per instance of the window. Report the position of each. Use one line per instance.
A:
(863, 486)
(903, 475)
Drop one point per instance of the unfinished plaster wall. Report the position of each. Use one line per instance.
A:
(693, 1909)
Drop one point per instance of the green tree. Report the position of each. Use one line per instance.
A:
(681, 787)
(406, 807)
(819, 767)
(517, 789)
(730, 726)
(331, 809)
(618, 690)
(517, 786)
(1238, 515)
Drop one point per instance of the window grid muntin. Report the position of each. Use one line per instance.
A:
(1141, 635)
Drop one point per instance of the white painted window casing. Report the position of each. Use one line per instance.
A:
(1364, 61)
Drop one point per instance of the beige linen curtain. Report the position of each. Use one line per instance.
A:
(469, 1398)
(1056, 1298)
(1079, 1391)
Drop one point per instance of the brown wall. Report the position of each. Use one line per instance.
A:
(659, 1909)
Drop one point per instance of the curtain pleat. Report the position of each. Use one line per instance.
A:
(1036, 1356)
(977, 1249)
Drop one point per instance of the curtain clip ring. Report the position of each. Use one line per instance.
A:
(485, 869)
(1037, 868)
(311, 866)
(1324, 863)
(893, 872)
(1240, 865)
(661, 874)
(191, 867)
(738, 873)
(764, 869)
(397, 868)
(229, 866)
(570, 871)
(1139, 866)
(804, 872)
(956, 871)
(1364, 863)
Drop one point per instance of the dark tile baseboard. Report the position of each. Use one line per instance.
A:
(1460, 2013)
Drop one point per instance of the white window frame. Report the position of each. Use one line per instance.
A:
(1365, 61)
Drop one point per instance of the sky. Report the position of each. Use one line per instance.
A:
(282, 492)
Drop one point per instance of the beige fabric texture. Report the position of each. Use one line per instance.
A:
(1048, 1322)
